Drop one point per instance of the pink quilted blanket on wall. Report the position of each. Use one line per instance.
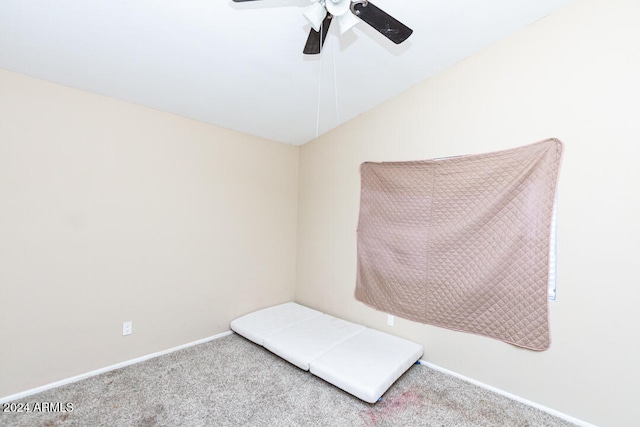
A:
(462, 243)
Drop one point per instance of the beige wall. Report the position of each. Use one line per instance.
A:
(574, 75)
(112, 212)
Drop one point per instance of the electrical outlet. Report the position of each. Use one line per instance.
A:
(127, 328)
(390, 319)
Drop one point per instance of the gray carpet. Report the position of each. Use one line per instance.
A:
(233, 382)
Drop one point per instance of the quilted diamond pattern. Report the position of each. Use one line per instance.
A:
(462, 243)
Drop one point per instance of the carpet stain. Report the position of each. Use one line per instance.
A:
(58, 421)
(386, 409)
(152, 417)
(149, 421)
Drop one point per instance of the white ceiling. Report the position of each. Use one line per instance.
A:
(240, 65)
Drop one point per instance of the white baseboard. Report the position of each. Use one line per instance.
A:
(108, 368)
(510, 396)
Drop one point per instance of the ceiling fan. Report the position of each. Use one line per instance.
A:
(347, 12)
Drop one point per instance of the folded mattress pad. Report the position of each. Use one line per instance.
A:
(359, 360)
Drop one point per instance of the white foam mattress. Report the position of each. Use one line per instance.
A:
(359, 360)
(367, 364)
(305, 341)
(260, 324)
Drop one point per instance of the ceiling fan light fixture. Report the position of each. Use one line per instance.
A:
(346, 21)
(315, 15)
(337, 7)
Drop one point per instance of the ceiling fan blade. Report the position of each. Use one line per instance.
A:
(315, 41)
(384, 23)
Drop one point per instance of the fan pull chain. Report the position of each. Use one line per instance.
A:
(319, 87)
(334, 47)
